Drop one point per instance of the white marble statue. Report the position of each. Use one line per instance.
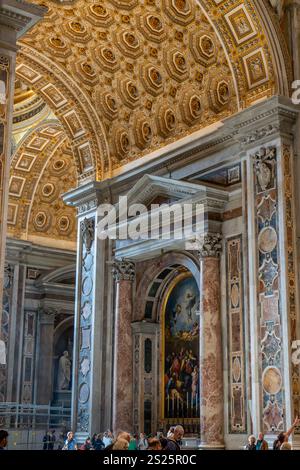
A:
(64, 372)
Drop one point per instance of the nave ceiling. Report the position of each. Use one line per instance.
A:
(115, 80)
(126, 77)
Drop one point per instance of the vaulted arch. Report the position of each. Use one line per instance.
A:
(127, 78)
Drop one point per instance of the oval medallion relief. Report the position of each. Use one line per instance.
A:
(236, 369)
(235, 296)
(84, 393)
(87, 285)
(267, 240)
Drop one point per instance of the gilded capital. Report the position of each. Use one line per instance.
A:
(210, 246)
(123, 270)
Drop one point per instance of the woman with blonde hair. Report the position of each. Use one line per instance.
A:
(286, 446)
(120, 444)
(251, 443)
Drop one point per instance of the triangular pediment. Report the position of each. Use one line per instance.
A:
(150, 189)
(160, 190)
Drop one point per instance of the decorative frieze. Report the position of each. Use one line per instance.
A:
(259, 134)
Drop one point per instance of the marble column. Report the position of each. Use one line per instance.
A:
(124, 274)
(15, 19)
(211, 364)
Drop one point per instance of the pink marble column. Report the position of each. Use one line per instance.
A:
(211, 364)
(124, 273)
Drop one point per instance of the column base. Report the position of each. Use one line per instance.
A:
(81, 437)
(213, 446)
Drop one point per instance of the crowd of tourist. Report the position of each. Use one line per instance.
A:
(125, 441)
(280, 443)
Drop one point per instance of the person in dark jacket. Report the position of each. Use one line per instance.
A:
(94, 437)
(52, 440)
(98, 443)
(46, 440)
(3, 439)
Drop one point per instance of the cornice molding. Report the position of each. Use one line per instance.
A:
(19, 15)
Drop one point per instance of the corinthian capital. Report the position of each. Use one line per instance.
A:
(210, 246)
(123, 270)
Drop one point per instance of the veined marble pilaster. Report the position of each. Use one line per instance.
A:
(211, 365)
(124, 274)
(265, 163)
(273, 318)
(237, 404)
(292, 274)
(92, 359)
(83, 363)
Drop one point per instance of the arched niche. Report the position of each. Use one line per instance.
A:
(62, 341)
(157, 288)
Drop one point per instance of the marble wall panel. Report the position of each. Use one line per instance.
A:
(236, 336)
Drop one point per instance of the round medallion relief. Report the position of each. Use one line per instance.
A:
(84, 393)
(267, 240)
(272, 380)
